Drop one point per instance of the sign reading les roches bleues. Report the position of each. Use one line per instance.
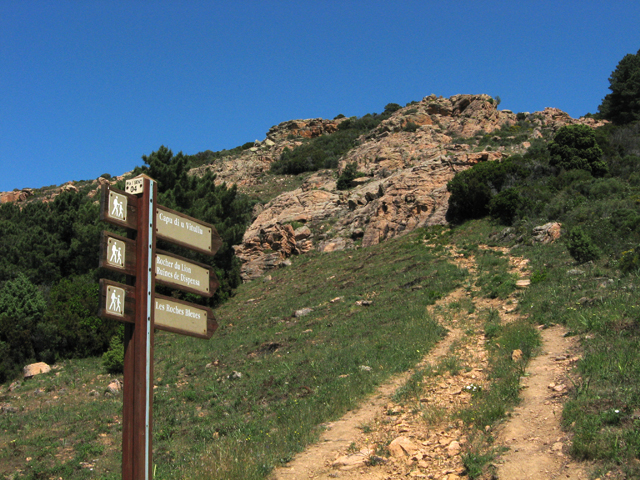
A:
(182, 317)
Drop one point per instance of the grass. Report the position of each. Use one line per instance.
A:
(491, 404)
(300, 372)
(602, 307)
(63, 420)
(296, 373)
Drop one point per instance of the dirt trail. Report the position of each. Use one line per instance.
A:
(317, 460)
(537, 445)
(422, 440)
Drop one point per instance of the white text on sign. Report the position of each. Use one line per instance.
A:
(182, 273)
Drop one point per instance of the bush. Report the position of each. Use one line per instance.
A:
(71, 328)
(575, 147)
(391, 107)
(113, 359)
(472, 189)
(21, 308)
(630, 261)
(411, 127)
(349, 173)
(506, 205)
(580, 246)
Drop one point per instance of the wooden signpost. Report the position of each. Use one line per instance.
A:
(140, 308)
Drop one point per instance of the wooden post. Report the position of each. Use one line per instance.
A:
(137, 459)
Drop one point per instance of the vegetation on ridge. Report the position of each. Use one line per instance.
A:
(325, 151)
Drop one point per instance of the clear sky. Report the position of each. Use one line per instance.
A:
(87, 87)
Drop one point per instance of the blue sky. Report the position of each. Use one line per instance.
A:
(88, 87)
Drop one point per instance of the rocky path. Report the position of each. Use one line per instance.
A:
(537, 445)
(385, 439)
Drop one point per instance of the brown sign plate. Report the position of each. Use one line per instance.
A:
(186, 231)
(187, 275)
(118, 208)
(118, 253)
(185, 318)
(171, 315)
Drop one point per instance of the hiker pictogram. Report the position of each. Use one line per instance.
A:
(116, 254)
(117, 210)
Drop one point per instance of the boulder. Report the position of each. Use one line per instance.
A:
(69, 187)
(35, 369)
(547, 233)
(453, 449)
(114, 387)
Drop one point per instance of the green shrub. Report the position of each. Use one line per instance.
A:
(348, 174)
(575, 147)
(472, 189)
(630, 261)
(581, 247)
(113, 359)
(391, 107)
(505, 205)
(411, 127)
(21, 308)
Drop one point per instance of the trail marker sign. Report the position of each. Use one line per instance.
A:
(186, 231)
(115, 300)
(140, 308)
(184, 274)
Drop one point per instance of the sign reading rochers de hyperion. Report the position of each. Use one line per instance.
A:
(186, 231)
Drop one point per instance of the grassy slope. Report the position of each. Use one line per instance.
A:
(296, 373)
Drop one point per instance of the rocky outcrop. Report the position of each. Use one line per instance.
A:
(547, 233)
(408, 160)
(310, 128)
(381, 209)
(16, 195)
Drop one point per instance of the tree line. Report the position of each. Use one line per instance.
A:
(49, 263)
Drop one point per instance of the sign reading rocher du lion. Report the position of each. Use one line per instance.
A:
(185, 274)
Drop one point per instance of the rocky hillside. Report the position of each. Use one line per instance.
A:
(406, 161)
